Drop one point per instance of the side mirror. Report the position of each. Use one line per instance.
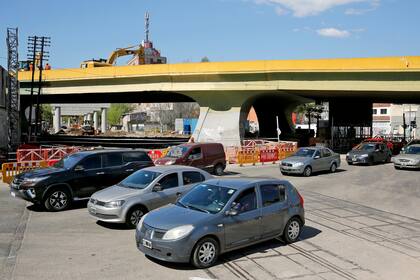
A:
(157, 187)
(79, 168)
(234, 210)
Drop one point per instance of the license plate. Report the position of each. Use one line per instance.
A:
(146, 243)
(92, 210)
(13, 194)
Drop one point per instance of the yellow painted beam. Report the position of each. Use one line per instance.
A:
(397, 64)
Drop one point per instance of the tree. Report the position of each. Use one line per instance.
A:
(116, 111)
(310, 111)
(46, 113)
(205, 59)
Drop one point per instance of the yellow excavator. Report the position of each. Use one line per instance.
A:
(133, 50)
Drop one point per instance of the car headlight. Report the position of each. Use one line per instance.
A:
(170, 162)
(297, 164)
(33, 181)
(348, 154)
(178, 232)
(114, 204)
(364, 156)
(140, 224)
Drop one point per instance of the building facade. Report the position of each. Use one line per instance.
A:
(388, 120)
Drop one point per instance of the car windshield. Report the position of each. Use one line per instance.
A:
(139, 180)
(365, 147)
(177, 152)
(68, 162)
(207, 198)
(412, 150)
(303, 152)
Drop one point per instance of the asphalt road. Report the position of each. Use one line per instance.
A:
(362, 223)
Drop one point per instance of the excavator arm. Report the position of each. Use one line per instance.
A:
(123, 52)
(133, 50)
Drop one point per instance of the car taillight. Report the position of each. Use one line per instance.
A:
(300, 199)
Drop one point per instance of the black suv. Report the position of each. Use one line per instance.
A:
(77, 176)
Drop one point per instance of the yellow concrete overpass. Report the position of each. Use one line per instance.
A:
(226, 90)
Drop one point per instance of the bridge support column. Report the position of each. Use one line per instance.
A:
(57, 119)
(219, 126)
(89, 118)
(95, 120)
(104, 119)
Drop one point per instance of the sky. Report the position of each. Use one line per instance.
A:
(222, 30)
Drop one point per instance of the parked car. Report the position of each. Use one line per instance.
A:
(142, 191)
(77, 176)
(311, 159)
(409, 158)
(207, 156)
(369, 153)
(221, 215)
(411, 142)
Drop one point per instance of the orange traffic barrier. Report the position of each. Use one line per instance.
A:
(247, 156)
(44, 154)
(11, 169)
(269, 155)
(231, 154)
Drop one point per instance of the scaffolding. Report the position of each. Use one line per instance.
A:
(13, 89)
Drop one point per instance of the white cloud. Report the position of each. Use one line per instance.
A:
(333, 32)
(303, 8)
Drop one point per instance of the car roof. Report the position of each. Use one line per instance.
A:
(313, 148)
(415, 145)
(102, 151)
(242, 183)
(198, 143)
(168, 168)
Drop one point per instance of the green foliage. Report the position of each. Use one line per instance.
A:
(46, 113)
(205, 59)
(116, 111)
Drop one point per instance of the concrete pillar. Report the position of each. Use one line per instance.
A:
(89, 117)
(57, 119)
(104, 119)
(69, 122)
(219, 126)
(95, 120)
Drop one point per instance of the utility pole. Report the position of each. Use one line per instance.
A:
(404, 126)
(36, 55)
(13, 88)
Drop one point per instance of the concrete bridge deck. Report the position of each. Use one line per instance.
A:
(226, 91)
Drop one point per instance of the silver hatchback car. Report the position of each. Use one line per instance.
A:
(143, 191)
(221, 215)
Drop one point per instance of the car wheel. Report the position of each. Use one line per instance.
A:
(292, 230)
(284, 173)
(133, 216)
(218, 169)
(350, 163)
(333, 168)
(396, 167)
(307, 171)
(205, 253)
(57, 200)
